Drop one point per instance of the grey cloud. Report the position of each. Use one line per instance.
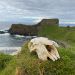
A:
(62, 9)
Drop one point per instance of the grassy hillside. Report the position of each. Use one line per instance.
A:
(28, 63)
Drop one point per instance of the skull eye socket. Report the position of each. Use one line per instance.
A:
(48, 47)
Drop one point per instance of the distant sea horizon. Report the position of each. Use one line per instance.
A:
(67, 24)
(7, 25)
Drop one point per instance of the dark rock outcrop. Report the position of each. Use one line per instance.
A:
(2, 32)
(49, 22)
(30, 30)
(23, 29)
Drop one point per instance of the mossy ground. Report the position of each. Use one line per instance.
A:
(30, 63)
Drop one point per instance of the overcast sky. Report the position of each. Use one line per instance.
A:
(18, 10)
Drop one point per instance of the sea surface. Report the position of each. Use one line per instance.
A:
(7, 40)
(12, 44)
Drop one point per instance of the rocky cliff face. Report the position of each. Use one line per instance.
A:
(31, 29)
(23, 29)
(49, 22)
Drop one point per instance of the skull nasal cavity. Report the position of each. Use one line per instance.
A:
(48, 47)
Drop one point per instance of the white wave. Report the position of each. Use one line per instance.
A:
(30, 37)
(5, 34)
(19, 36)
(10, 50)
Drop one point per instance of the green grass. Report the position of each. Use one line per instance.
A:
(4, 60)
(31, 65)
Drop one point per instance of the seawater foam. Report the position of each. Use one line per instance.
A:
(5, 34)
(10, 50)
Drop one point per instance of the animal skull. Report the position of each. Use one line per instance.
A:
(44, 48)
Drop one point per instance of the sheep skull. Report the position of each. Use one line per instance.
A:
(44, 48)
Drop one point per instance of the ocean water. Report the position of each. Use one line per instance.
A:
(11, 44)
(7, 40)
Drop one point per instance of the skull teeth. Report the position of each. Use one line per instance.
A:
(53, 52)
